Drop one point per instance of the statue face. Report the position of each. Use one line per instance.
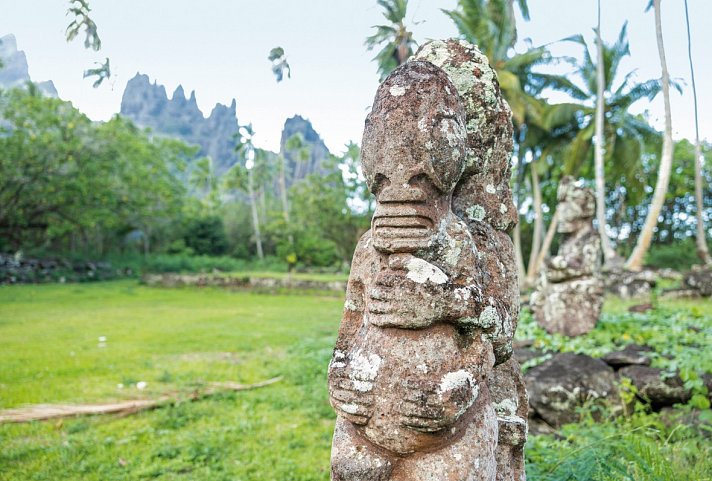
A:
(569, 218)
(413, 154)
(409, 208)
(577, 206)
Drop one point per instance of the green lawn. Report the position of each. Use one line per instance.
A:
(176, 339)
(170, 339)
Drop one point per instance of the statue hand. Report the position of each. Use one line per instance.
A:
(397, 300)
(431, 407)
(349, 391)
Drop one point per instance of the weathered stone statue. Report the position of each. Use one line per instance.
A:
(483, 199)
(569, 296)
(429, 310)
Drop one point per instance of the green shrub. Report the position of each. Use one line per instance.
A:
(679, 255)
(163, 263)
(642, 447)
(206, 236)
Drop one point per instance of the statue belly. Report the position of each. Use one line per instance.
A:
(412, 362)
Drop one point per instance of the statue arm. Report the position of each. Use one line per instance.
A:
(584, 262)
(346, 391)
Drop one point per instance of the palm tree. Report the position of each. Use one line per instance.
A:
(204, 183)
(635, 261)
(396, 40)
(491, 25)
(243, 178)
(702, 250)
(608, 252)
(625, 134)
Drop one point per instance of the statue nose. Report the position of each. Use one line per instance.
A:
(401, 193)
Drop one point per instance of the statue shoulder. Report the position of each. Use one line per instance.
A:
(363, 255)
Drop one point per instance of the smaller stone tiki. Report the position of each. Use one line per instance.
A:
(569, 295)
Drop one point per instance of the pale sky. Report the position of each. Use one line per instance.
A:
(218, 48)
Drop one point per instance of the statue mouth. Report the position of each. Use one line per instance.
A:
(402, 226)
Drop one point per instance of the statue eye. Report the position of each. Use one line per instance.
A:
(379, 182)
(418, 180)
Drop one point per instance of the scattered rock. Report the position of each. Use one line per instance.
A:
(17, 269)
(240, 282)
(699, 279)
(673, 418)
(631, 355)
(670, 294)
(654, 387)
(707, 379)
(640, 308)
(669, 274)
(524, 354)
(565, 382)
(630, 285)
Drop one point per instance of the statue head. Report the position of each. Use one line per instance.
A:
(577, 206)
(413, 154)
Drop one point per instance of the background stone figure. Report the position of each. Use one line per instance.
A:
(428, 309)
(569, 296)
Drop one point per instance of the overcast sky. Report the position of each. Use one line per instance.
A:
(218, 48)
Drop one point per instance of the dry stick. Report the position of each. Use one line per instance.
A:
(40, 412)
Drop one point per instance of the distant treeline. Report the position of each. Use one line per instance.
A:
(70, 186)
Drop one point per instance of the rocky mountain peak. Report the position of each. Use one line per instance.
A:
(15, 70)
(316, 162)
(147, 105)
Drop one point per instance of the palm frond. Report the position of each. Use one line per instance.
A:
(102, 72)
(559, 83)
(649, 90)
(280, 66)
(396, 37)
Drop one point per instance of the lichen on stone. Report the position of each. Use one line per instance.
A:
(476, 212)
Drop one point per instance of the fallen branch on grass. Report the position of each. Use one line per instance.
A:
(41, 412)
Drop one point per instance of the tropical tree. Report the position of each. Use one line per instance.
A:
(624, 134)
(395, 40)
(491, 25)
(635, 261)
(241, 177)
(701, 237)
(204, 184)
(63, 177)
(280, 66)
(608, 252)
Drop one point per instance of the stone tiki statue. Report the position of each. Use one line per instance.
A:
(428, 309)
(569, 296)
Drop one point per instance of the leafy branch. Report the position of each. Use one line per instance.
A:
(79, 10)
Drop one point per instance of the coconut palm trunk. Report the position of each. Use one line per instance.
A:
(255, 216)
(701, 238)
(538, 227)
(635, 261)
(546, 245)
(608, 252)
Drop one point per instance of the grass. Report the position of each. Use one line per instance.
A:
(299, 276)
(175, 339)
(171, 339)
